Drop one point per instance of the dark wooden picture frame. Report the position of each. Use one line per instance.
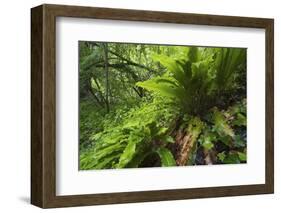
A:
(43, 105)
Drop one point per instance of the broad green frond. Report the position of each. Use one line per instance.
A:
(166, 157)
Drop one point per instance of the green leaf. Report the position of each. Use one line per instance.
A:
(207, 144)
(242, 156)
(127, 154)
(104, 162)
(89, 61)
(167, 90)
(195, 126)
(221, 156)
(231, 158)
(227, 140)
(227, 62)
(240, 120)
(193, 54)
(221, 124)
(172, 65)
(166, 157)
(104, 151)
(168, 139)
(162, 131)
(238, 141)
(207, 139)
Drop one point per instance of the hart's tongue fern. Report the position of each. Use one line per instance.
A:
(194, 85)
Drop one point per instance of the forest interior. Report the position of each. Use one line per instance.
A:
(144, 105)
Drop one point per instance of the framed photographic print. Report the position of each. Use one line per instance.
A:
(136, 106)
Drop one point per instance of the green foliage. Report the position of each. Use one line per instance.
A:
(138, 104)
(166, 156)
(197, 80)
(162, 86)
(231, 158)
(90, 120)
(221, 125)
(227, 63)
(221, 130)
(221, 156)
(129, 151)
(126, 144)
(207, 142)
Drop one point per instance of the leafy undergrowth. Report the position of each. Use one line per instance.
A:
(192, 113)
(221, 138)
(149, 136)
(138, 135)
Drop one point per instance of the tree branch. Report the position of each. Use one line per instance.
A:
(129, 62)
